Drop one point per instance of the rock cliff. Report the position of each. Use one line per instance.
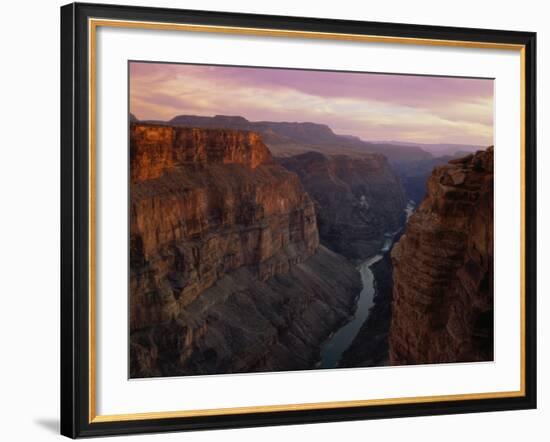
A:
(159, 149)
(442, 308)
(358, 199)
(227, 274)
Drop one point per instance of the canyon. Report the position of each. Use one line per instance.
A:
(433, 292)
(227, 273)
(357, 199)
(254, 244)
(411, 162)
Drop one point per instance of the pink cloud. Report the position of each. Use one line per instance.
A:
(369, 105)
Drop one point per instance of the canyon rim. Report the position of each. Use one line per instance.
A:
(286, 219)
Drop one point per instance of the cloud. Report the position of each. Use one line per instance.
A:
(372, 106)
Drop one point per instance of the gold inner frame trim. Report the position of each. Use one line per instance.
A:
(93, 24)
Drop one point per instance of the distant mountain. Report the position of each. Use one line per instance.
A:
(414, 175)
(351, 137)
(277, 132)
(292, 138)
(442, 149)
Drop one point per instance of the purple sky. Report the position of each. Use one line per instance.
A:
(371, 106)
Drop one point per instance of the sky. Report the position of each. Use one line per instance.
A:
(374, 107)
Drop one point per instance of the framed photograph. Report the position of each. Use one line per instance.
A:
(273, 220)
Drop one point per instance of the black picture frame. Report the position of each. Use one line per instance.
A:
(75, 219)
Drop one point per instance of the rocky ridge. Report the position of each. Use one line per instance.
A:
(442, 308)
(227, 273)
(287, 138)
(357, 199)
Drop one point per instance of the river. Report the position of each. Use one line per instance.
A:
(332, 350)
(339, 342)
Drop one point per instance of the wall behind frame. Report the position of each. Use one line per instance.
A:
(29, 226)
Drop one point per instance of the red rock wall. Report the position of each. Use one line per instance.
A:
(244, 324)
(443, 269)
(157, 149)
(204, 203)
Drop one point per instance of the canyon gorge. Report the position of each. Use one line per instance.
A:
(227, 273)
(357, 199)
(252, 244)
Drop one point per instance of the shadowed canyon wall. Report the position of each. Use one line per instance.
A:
(442, 308)
(227, 273)
(357, 199)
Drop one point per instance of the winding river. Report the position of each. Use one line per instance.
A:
(332, 350)
(339, 342)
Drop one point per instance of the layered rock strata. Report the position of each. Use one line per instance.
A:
(245, 324)
(357, 199)
(442, 308)
(227, 274)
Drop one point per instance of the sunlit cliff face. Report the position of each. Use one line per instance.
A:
(372, 106)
